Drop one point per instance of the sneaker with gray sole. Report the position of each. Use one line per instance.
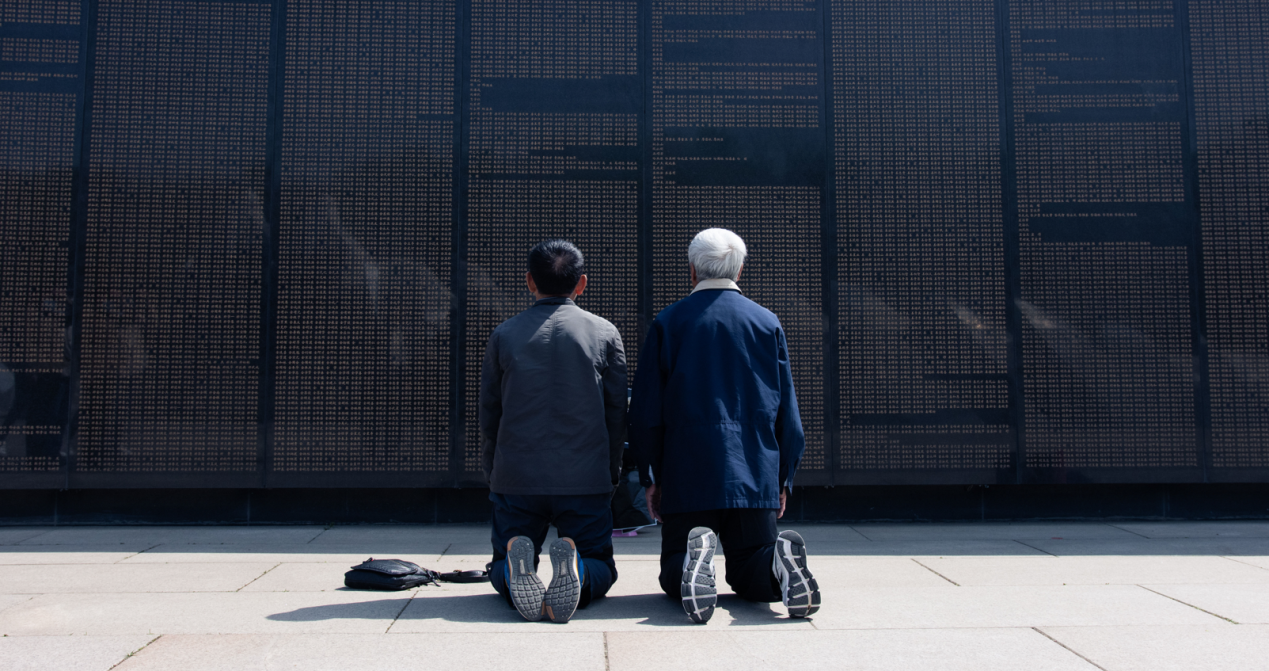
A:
(566, 587)
(700, 594)
(522, 579)
(798, 589)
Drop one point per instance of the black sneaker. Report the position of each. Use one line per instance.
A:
(522, 580)
(799, 591)
(698, 590)
(566, 587)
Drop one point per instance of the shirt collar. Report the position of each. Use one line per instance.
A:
(722, 283)
(555, 300)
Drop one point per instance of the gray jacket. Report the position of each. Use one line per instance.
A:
(553, 402)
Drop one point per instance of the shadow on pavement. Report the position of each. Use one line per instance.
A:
(654, 610)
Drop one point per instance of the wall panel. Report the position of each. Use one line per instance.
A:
(169, 370)
(921, 298)
(369, 137)
(41, 97)
(1231, 104)
(262, 243)
(553, 148)
(736, 118)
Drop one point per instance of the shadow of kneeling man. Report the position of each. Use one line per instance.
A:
(410, 614)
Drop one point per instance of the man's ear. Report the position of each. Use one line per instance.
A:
(738, 272)
(581, 286)
(528, 279)
(691, 272)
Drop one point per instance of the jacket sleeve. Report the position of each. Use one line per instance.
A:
(788, 425)
(490, 405)
(614, 379)
(647, 424)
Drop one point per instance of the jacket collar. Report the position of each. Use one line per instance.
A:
(554, 300)
(724, 283)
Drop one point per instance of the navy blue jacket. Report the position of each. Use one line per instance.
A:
(713, 418)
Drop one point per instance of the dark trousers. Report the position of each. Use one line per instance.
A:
(748, 537)
(585, 519)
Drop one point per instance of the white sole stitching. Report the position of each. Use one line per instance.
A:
(788, 561)
(696, 564)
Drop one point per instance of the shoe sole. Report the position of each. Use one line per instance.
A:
(524, 585)
(566, 589)
(802, 594)
(699, 592)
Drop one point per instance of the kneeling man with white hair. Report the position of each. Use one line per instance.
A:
(714, 426)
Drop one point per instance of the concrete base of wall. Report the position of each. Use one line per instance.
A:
(808, 504)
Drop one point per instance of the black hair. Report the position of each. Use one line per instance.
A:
(556, 266)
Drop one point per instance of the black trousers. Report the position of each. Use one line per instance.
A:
(585, 519)
(748, 537)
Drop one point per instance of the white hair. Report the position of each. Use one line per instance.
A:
(716, 254)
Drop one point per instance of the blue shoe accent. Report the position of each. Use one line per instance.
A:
(565, 591)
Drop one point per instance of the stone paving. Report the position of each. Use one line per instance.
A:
(1036, 596)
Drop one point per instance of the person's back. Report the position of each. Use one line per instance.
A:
(552, 415)
(724, 354)
(714, 425)
(552, 436)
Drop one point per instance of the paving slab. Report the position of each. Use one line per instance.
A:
(335, 554)
(645, 546)
(1214, 546)
(817, 533)
(401, 534)
(208, 613)
(834, 573)
(151, 536)
(646, 537)
(19, 534)
(1230, 529)
(633, 554)
(63, 554)
(944, 649)
(1073, 605)
(1262, 562)
(83, 653)
(1244, 604)
(340, 652)
(643, 551)
(117, 578)
(329, 576)
(301, 577)
(990, 531)
(1174, 648)
(1096, 570)
(9, 600)
(641, 577)
(934, 548)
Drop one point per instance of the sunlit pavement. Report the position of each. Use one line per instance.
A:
(1115, 596)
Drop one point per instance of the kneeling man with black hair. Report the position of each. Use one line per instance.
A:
(552, 425)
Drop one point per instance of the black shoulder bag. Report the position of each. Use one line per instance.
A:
(389, 574)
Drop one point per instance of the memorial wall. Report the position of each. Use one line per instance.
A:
(262, 243)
